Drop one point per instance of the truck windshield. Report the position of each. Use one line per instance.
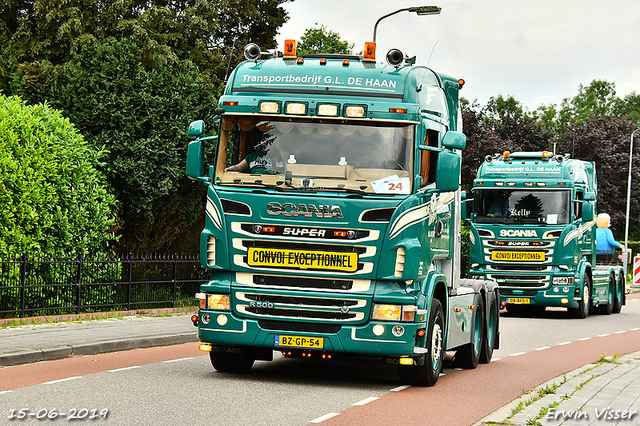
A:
(317, 155)
(510, 206)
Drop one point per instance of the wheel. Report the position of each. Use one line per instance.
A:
(490, 338)
(427, 374)
(619, 294)
(469, 355)
(228, 362)
(584, 305)
(611, 295)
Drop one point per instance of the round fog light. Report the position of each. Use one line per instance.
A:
(565, 289)
(206, 318)
(398, 330)
(222, 319)
(556, 289)
(378, 329)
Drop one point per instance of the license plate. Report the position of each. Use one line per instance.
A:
(299, 342)
(518, 256)
(302, 259)
(518, 300)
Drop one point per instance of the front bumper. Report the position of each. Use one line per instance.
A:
(225, 328)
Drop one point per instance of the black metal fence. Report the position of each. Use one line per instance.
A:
(55, 286)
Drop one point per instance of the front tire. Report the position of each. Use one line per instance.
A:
(226, 362)
(584, 305)
(427, 374)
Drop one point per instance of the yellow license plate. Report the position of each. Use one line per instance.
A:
(518, 300)
(299, 342)
(518, 256)
(302, 259)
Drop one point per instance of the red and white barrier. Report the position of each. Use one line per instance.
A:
(636, 270)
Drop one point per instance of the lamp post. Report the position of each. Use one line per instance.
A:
(626, 226)
(420, 10)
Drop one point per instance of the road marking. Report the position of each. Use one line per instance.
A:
(564, 343)
(585, 338)
(122, 369)
(323, 418)
(603, 335)
(634, 329)
(176, 360)
(62, 380)
(619, 332)
(399, 388)
(518, 354)
(495, 359)
(1, 392)
(366, 401)
(542, 348)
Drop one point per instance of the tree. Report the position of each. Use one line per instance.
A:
(131, 75)
(54, 198)
(605, 141)
(629, 106)
(322, 40)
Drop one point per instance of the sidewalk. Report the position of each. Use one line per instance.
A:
(603, 393)
(42, 342)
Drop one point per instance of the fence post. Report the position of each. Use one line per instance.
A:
(129, 282)
(79, 258)
(175, 279)
(23, 282)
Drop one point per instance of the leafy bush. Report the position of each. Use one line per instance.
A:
(54, 198)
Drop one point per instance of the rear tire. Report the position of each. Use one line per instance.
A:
(490, 338)
(226, 362)
(619, 295)
(611, 295)
(469, 355)
(427, 374)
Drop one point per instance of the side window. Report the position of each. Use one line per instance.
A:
(578, 205)
(429, 158)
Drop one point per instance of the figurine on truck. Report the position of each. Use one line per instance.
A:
(333, 217)
(532, 230)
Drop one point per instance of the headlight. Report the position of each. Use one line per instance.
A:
(394, 312)
(219, 302)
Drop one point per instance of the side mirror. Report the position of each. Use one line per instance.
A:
(448, 171)
(195, 158)
(196, 129)
(590, 196)
(454, 140)
(588, 211)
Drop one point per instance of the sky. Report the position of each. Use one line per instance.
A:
(539, 52)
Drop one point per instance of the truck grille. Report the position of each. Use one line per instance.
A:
(520, 280)
(275, 307)
(285, 281)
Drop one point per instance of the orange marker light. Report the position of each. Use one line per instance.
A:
(398, 110)
(289, 49)
(506, 154)
(369, 54)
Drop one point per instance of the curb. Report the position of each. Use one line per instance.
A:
(49, 354)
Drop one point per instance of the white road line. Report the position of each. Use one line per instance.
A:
(323, 418)
(619, 332)
(518, 354)
(564, 343)
(634, 329)
(603, 335)
(495, 359)
(399, 388)
(542, 348)
(176, 360)
(122, 369)
(585, 338)
(366, 401)
(62, 380)
(1, 392)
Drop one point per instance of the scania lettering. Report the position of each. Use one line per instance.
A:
(351, 244)
(532, 230)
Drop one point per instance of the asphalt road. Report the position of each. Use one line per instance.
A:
(177, 385)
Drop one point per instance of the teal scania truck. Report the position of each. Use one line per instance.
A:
(532, 230)
(333, 217)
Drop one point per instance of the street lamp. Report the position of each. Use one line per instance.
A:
(626, 226)
(420, 10)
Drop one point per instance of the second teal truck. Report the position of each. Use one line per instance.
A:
(532, 230)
